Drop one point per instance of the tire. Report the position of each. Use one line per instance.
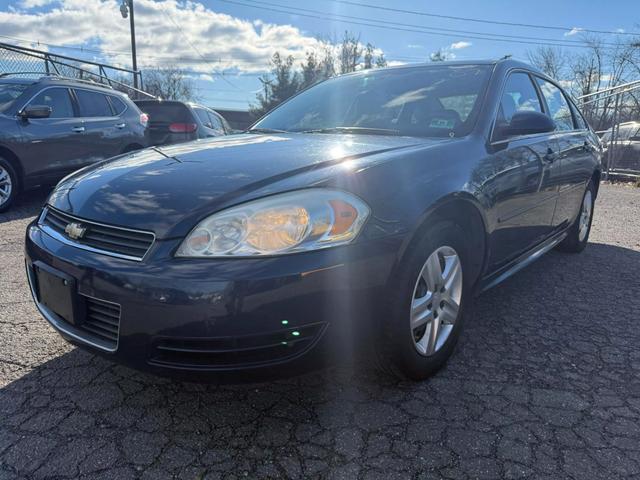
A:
(578, 235)
(9, 185)
(403, 350)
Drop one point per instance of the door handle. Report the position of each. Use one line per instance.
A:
(120, 125)
(77, 129)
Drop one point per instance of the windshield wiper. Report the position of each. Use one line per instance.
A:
(356, 130)
(265, 130)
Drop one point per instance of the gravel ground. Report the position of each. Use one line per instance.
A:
(545, 383)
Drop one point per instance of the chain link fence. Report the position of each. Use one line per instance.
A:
(615, 114)
(22, 61)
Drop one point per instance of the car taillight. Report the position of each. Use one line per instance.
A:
(144, 119)
(183, 127)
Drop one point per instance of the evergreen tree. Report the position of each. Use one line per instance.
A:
(280, 84)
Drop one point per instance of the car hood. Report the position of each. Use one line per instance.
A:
(159, 188)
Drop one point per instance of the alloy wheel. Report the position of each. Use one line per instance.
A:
(436, 300)
(6, 186)
(585, 216)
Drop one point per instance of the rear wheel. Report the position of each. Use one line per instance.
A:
(8, 184)
(425, 315)
(578, 235)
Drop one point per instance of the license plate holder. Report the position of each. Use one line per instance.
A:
(57, 291)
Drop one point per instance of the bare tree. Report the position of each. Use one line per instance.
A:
(368, 57)
(169, 83)
(350, 52)
(550, 60)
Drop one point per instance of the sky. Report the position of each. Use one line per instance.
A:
(225, 45)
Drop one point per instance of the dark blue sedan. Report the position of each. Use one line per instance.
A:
(362, 214)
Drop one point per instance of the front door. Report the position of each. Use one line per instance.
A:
(520, 181)
(52, 146)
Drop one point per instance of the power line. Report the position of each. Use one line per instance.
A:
(435, 29)
(194, 47)
(478, 20)
(410, 28)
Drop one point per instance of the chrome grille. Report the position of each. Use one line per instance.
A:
(108, 239)
(102, 320)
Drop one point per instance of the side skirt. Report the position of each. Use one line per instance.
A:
(521, 262)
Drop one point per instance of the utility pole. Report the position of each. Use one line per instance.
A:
(126, 10)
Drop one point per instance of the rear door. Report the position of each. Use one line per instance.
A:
(217, 123)
(205, 128)
(53, 146)
(575, 152)
(104, 131)
(520, 181)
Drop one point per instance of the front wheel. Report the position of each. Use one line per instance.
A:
(578, 235)
(421, 328)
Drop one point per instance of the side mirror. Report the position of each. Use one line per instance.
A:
(526, 122)
(35, 111)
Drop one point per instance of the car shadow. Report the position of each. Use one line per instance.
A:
(538, 356)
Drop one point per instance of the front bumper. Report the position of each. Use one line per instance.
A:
(217, 315)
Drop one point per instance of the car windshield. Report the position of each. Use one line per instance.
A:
(430, 101)
(8, 93)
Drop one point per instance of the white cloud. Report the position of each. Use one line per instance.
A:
(415, 46)
(460, 45)
(226, 42)
(620, 30)
(573, 31)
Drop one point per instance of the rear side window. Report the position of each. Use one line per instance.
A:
(558, 106)
(216, 123)
(165, 112)
(56, 98)
(93, 104)
(519, 94)
(203, 116)
(118, 105)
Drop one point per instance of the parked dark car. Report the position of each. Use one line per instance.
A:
(51, 126)
(626, 150)
(366, 210)
(176, 122)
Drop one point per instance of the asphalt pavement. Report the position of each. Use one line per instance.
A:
(545, 383)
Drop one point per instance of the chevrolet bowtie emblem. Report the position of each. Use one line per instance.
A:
(75, 230)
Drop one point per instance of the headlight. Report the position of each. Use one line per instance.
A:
(286, 223)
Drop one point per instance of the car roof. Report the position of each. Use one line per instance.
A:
(18, 80)
(507, 63)
(55, 80)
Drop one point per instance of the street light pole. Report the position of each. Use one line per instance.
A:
(126, 9)
(134, 60)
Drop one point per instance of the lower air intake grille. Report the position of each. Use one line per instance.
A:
(229, 352)
(102, 320)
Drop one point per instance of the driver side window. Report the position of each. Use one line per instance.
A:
(56, 98)
(519, 94)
